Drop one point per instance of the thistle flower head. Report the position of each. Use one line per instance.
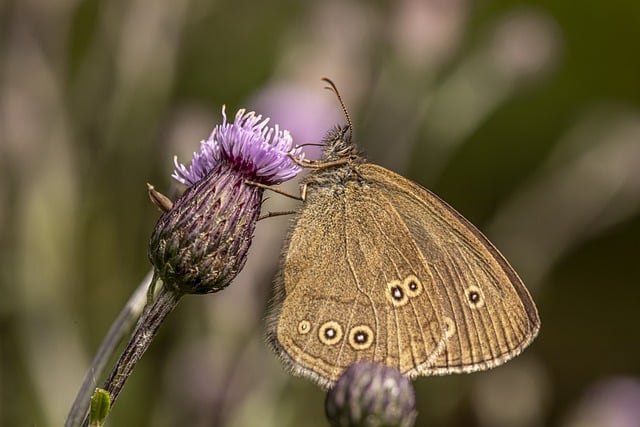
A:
(370, 394)
(200, 244)
(246, 145)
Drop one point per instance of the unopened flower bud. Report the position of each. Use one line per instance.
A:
(371, 395)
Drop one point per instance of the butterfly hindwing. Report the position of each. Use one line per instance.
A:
(491, 311)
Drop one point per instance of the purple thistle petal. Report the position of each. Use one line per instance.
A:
(248, 146)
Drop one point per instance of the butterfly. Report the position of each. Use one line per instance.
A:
(378, 268)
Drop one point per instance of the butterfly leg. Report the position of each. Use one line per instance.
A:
(318, 164)
(275, 190)
(272, 214)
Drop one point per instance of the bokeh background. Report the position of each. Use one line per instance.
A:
(525, 116)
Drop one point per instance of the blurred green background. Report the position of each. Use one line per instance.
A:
(525, 116)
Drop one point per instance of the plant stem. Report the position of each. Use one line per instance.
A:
(152, 317)
(120, 328)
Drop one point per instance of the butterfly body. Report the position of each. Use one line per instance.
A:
(378, 268)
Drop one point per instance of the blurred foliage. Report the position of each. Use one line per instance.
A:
(525, 116)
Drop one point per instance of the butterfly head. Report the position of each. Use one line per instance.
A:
(338, 145)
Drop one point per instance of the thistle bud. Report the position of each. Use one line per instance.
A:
(371, 395)
(200, 244)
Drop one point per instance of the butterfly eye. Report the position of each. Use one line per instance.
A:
(330, 333)
(361, 337)
(474, 297)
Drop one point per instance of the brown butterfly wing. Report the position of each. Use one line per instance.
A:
(382, 272)
(317, 292)
(481, 296)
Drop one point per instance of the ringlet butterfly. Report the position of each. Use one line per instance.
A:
(378, 268)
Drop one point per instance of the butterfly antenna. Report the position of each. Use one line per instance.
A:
(332, 87)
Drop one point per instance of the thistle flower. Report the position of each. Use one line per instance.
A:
(201, 243)
(371, 395)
